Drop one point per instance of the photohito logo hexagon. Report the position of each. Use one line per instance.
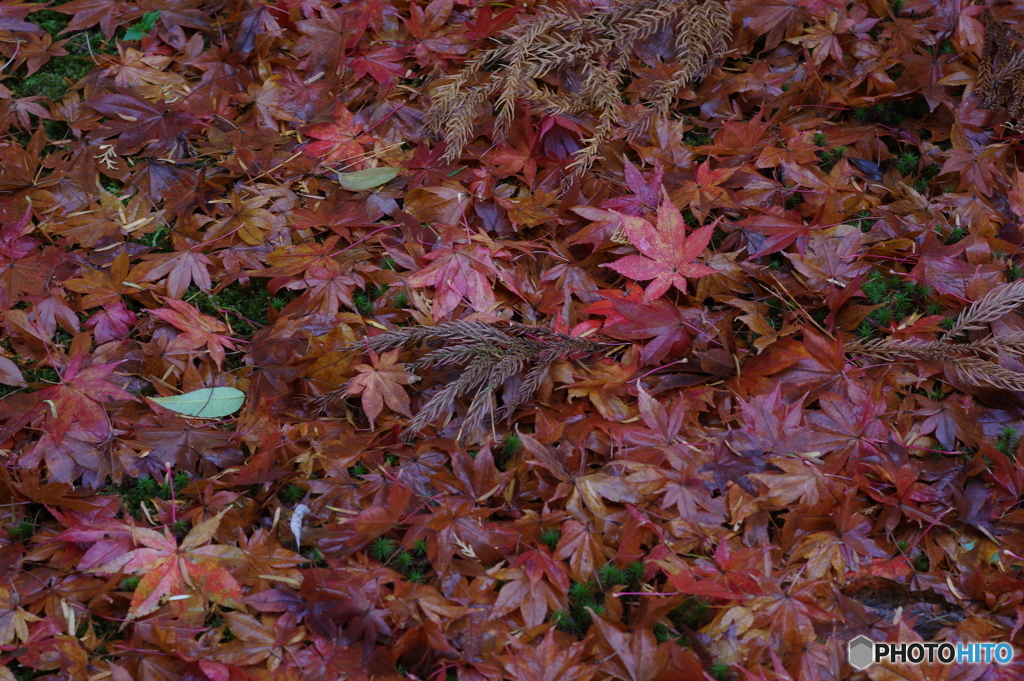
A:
(861, 651)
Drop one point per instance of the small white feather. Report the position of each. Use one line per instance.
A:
(296, 524)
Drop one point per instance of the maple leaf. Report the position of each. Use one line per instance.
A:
(85, 13)
(457, 274)
(338, 141)
(550, 660)
(273, 638)
(384, 65)
(979, 170)
(111, 323)
(380, 382)
(12, 15)
(194, 567)
(80, 397)
(528, 592)
(667, 253)
(636, 656)
(14, 620)
(705, 191)
(139, 124)
(197, 329)
(832, 256)
(324, 41)
(645, 192)
(670, 327)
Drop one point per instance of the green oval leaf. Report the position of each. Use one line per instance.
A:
(206, 403)
(362, 180)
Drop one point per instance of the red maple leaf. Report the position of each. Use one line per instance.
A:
(380, 382)
(79, 398)
(668, 254)
(198, 329)
(169, 569)
(338, 141)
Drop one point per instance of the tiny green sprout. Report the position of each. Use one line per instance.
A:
(292, 493)
(363, 303)
(181, 480)
(956, 235)
(383, 548)
(875, 288)
(400, 301)
(511, 444)
(417, 577)
(948, 323)
(819, 139)
(921, 185)
(794, 201)
(720, 670)
(21, 531)
(882, 316)
(404, 560)
(901, 302)
(315, 556)
(921, 562)
(391, 459)
(1014, 272)
(934, 308)
(1008, 441)
(611, 575)
(661, 633)
(902, 545)
(861, 114)
(388, 263)
(907, 162)
(278, 303)
(562, 620)
(358, 471)
(147, 486)
(634, 572)
(179, 527)
(692, 614)
(864, 220)
(550, 538)
(582, 594)
(866, 330)
(451, 675)
(897, 5)
(419, 547)
(130, 583)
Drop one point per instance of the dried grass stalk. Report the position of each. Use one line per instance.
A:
(990, 307)
(591, 56)
(1001, 69)
(488, 355)
(963, 358)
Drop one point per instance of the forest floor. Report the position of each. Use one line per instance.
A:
(668, 342)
